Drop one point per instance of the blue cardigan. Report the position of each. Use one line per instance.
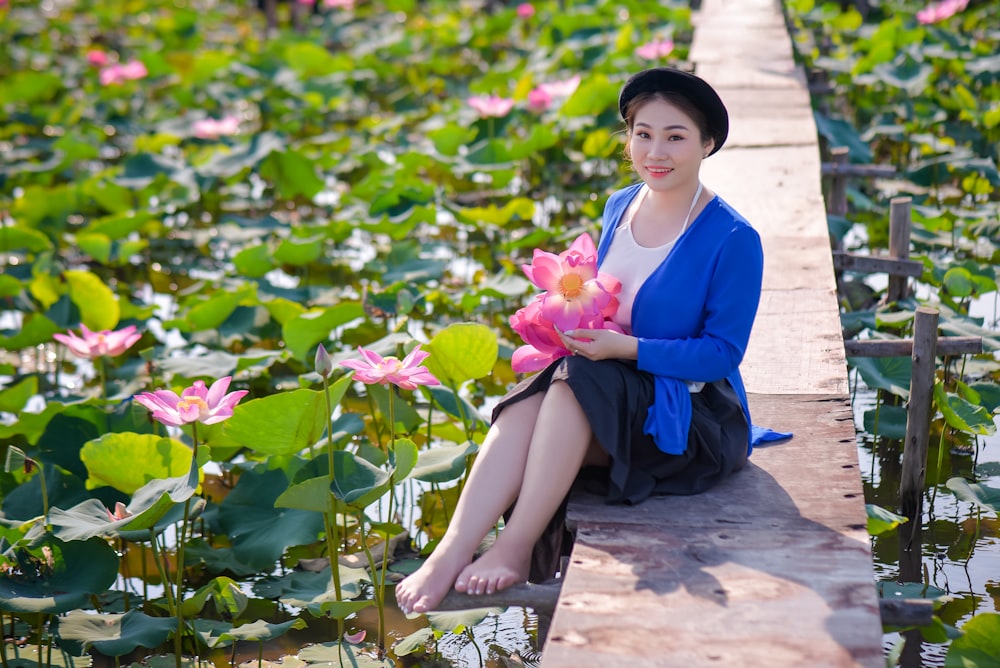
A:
(693, 314)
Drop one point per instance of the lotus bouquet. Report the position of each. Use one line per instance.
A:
(576, 296)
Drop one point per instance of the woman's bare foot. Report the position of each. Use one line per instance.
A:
(496, 570)
(423, 589)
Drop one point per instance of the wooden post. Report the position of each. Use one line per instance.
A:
(271, 16)
(899, 245)
(918, 420)
(837, 202)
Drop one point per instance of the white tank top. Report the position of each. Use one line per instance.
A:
(631, 263)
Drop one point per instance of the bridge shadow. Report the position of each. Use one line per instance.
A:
(752, 552)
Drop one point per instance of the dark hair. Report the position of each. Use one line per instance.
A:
(679, 100)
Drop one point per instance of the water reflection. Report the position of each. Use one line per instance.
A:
(954, 549)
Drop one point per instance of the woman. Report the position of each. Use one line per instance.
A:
(660, 409)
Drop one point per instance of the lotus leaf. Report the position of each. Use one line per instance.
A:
(113, 634)
(65, 581)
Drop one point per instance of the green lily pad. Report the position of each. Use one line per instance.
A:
(280, 424)
(357, 482)
(462, 352)
(985, 497)
(963, 415)
(128, 461)
(415, 641)
(76, 570)
(881, 520)
(113, 634)
(443, 463)
(305, 588)
(979, 644)
(259, 532)
(27, 657)
(148, 507)
(332, 653)
(260, 631)
(885, 373)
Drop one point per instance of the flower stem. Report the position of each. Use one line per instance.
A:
(379, 591)
(181, 539)
(45, 495)
(332, 538)
(157, 557)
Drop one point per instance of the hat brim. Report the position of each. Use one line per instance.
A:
(697, 90)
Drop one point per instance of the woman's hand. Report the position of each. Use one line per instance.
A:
(600, 344)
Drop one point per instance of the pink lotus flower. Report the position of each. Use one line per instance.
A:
(576, 297)
(117, 74)
(539, 100)
(97, 58)
(525, 10)
(98, 344)
(562, 88)
(656, 49)
(406, 374)
(210, 128)
(195, 404)
(541, 97)
(939, 11)
(120, 513)
(340, 4)
(491, 105)
(575, 293)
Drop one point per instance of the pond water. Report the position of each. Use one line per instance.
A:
(961, 544)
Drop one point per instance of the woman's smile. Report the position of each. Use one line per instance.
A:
(658, 171)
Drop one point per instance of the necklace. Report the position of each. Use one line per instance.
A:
(694, 203)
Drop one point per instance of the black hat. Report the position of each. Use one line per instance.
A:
(668, 79)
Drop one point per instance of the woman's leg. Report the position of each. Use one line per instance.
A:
(492, 486)
(561, 443)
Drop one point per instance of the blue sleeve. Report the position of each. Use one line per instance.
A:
(732, 295)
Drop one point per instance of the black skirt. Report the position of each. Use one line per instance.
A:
(615, 396)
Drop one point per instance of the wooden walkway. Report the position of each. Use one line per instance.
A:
(773, 568)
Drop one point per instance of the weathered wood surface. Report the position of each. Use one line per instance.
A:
(773, 567)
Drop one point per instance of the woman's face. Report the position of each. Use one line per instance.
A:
(666, 146)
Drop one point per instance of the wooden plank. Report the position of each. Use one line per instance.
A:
(788, 205)
(796, 346)
(869, 264)
(771, 568)
(861, 171)
(948, 345)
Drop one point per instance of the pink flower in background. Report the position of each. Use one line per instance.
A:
(539, 100)
(210, 128)
(491, 105)
(97, 58)
(656, 49)
(120, 513)
(562, 88)
(525, 10)
(116, 74)
(340, 4)
(542, 96)
(939, 11)
(195, 404)
(576, 296)
(406, 374)
(98, 344)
